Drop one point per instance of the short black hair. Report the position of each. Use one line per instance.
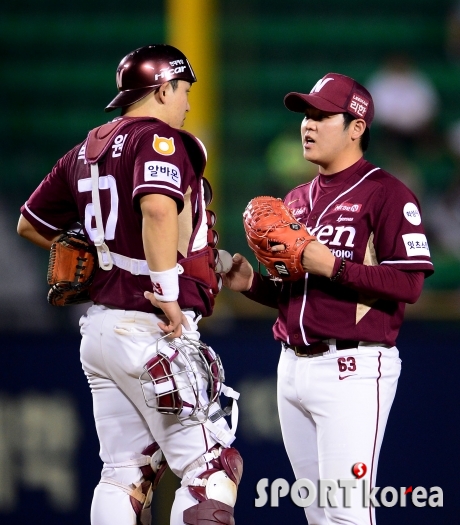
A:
(174, 83)
(348, 118)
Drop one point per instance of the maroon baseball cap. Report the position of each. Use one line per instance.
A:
(335, 93)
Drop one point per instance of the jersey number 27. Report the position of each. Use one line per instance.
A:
(106, 182)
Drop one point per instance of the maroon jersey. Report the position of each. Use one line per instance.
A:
(146, 156)
(366, 216)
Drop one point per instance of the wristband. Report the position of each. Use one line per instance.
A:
(339, 271)
(165, 284)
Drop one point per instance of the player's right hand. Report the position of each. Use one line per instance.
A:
(239, 278)
(318, 259)
(174, 314)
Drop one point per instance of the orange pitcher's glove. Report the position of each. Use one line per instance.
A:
(268, 222)
(71, 269)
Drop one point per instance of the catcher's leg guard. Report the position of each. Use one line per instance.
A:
(141, 497)
(152, 466)
(209, 512)
(216, 489)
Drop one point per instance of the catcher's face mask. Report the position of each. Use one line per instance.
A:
(183, 378)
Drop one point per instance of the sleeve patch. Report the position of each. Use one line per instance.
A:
(412, 214)
(416, 244)
(163, 146)
(162, 171)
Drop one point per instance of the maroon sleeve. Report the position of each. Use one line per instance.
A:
(399, 236)
(51, 207)
(161, 164)
(382, 281)
(264, 291)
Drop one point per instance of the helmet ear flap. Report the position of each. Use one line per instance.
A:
(147, 68)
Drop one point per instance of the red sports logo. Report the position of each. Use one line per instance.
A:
(157, 288)
(359, 470)
(348, 206)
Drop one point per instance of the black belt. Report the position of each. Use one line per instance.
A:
(320, 347)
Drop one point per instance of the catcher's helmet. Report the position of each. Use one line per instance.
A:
(145, 69)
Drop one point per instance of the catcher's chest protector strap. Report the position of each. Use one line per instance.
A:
(103, 252)
(97, 144)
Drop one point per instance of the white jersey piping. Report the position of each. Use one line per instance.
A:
(157, 186)
(38, 219)
(407, 262)
(304, 337)
(342, 194)
(304, 300)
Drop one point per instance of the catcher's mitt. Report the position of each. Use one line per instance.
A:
(71, 269)
(268, 222)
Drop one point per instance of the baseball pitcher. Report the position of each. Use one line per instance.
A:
(344, 254)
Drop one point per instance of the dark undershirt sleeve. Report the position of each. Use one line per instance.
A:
(264, 291)
(382, 281)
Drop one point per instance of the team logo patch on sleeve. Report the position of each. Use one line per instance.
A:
(163, 146)
(416, 244)
(412, 214)
(162, 171)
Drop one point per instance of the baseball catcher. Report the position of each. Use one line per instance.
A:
(71, 269)
(137, 184)
(268, 222)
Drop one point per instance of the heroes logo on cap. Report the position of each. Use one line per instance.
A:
(335, 93)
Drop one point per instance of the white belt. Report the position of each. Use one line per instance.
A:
(133, 266)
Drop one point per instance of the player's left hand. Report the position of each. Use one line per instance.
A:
(316, 258)
(174, 314)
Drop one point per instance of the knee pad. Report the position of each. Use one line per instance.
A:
(141, 497)
(153, 466)
(216, 489)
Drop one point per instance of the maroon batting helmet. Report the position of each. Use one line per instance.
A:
(145, 69)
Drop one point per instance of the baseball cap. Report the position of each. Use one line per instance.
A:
(335, 93)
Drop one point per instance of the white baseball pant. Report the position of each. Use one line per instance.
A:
(333, 410)
(115, 346)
